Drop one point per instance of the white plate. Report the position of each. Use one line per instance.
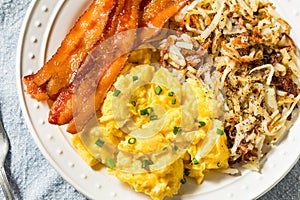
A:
(45, 25)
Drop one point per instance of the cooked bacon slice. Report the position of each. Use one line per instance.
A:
(156, 13)
(63, 104)
(58, 71)
(38, 92)
(113, 21)
(61, 112)
(128, 19)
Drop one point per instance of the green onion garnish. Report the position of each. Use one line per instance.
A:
(116, 93)
(170, 94)
(174, 101)
(158, 90)
(110, 162)
(153, 117)
(176, 130)
(175, 147)
(195, 161)
(99, 142)
(187, 171)
(220, 132)
(183, 181)
(151, 109)
(131, 140)
(146, 111)
(133, 103)
(135, 78)
(201, 124)
(165, 148)
(146, 163)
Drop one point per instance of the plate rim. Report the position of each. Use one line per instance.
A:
(21, 96)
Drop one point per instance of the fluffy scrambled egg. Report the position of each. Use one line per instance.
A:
(148, 120)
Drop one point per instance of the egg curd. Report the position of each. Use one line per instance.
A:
(154, 132)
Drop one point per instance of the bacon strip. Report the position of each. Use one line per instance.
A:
(128, 20)
(112, 23)
(38, 92)
(58, 71)
(61, 111)
(156, 13)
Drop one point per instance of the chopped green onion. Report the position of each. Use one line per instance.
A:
(176, 130)
(110, 162)
(158, 90)
(195, 161)
(170, 94)
(151, 109)
(145, 111)
(131, 140)
(201, 124)
(135, 78)
(116, 93)
(174, 101)
(133, 103)
(165, 148)
(153, 117)
(183, 181)
(187, 171)
(220, 132)
(175, 147)
(146, 163)
(99, 142)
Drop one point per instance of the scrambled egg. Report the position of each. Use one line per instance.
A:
(148, 120)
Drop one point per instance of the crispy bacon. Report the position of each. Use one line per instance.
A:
(112, 23)
(38, 92)
(61, 110)
(127, 19)
(62, 104)
(58, 71)
(157, 12)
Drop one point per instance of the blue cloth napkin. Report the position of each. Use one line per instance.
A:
(29, 173)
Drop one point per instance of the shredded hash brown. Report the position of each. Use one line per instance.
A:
(246, 45)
